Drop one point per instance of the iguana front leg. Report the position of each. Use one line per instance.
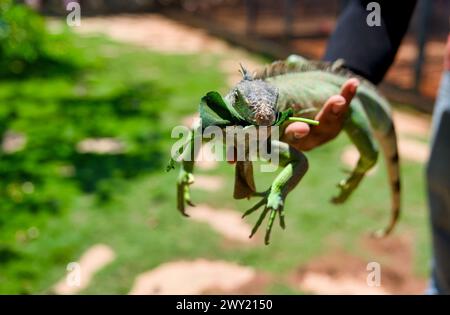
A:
(186, 176)
(295, 166)
(185, 179)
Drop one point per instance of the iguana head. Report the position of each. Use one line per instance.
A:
(255, 100)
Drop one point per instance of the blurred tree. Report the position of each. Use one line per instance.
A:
(28, 48)
(22, 35)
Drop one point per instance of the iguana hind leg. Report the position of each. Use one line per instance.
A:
(357, 128)
(295, 166)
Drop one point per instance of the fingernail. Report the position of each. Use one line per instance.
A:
(355, 86)
(338, 106)
(297, 135)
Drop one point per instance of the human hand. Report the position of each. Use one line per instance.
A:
(331, 118)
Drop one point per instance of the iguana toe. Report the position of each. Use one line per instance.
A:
(273, 203)
(344, 192)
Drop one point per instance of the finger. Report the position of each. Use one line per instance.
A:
(349, 88)
(334, 107)
(337, 105)
(295, 131)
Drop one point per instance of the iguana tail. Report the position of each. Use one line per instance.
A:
(380, 117)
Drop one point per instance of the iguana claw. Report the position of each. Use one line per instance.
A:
(345, 188)
(170, 165)
(273, 202)
(185, 179)
(341, 196)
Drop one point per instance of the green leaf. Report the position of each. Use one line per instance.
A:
(288, 116)
(283, 116)
(215, 111)
(216, 103)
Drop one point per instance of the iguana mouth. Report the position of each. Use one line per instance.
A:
(264, 118)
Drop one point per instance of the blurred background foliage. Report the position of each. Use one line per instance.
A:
(55, 90)
(27, 48)
(58, 89)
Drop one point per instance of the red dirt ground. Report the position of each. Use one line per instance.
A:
(344, 273)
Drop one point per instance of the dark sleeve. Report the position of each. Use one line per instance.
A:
(369, 50)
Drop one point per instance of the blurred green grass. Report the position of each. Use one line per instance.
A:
(128, 200)
(134, 96)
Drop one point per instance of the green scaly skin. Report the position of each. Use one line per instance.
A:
(304, 87)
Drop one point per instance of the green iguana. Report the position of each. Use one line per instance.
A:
(297, 87)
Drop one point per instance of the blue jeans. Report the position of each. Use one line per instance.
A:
(438, 180)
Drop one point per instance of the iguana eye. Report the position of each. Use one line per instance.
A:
(236, 96)
(240, 98)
